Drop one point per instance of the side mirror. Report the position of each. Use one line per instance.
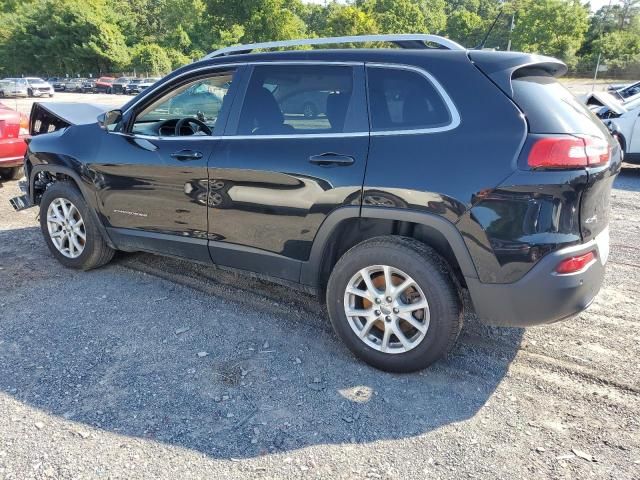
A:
(110, 118)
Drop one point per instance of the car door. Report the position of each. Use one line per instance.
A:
(276, 174)
(153, 179)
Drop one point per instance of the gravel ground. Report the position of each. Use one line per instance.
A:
(157, 368)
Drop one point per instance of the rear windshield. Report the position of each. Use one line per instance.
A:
(551, 108)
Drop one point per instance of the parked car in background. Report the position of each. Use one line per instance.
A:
(57, 83)
(88, 86)
(146, 83)
(104, 85)
(37, 87)
(74, 84)
(134, 86)
(13, 87)
(625, 128)
(120, 85)
(403, 198)
(310, 105)
(625, 91)
(14, 127)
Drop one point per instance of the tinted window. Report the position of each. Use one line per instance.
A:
(296, 99)
(404, 100)
(551, 108)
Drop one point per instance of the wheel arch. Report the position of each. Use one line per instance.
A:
(348, 226)
(63, 173)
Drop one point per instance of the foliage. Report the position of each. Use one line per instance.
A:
(156, 36)
(151, 59)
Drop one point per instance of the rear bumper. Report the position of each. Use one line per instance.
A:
(12, 152)
(542, 296)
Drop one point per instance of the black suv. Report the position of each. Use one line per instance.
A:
(428, 170)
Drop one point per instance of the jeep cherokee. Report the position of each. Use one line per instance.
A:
(429, 169)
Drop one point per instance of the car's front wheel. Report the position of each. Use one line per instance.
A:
(394, 304)
(70, 229)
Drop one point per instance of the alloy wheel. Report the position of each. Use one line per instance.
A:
(66, 227)
(386, 309)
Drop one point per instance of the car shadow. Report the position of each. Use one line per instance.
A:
(628, 179)
(228, 366)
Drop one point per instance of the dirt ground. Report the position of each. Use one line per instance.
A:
(157, 368)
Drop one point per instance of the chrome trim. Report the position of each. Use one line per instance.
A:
(391, 38)
(453, 111)
(455, 115)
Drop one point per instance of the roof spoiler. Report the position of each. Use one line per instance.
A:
(500, 66)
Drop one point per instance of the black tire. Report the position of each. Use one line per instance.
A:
(12, 173)
(433, 275)
(96, 252)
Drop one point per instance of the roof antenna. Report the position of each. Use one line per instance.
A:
(484, 40)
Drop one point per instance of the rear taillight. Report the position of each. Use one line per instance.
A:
(568, 151)
(575, 264)
(24, 125)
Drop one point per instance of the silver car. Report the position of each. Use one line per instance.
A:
(14, 87)
(74, 84)
(37, 87)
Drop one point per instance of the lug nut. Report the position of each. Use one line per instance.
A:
(378, 301)
(377, 312)
(389, 299)
(387, 318)
(396, 310)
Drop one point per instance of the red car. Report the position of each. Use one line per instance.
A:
(14, 127)
(104, 85)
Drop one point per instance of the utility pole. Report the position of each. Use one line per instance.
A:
(511, 27)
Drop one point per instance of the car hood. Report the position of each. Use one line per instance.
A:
(606, 100)
(60, 115)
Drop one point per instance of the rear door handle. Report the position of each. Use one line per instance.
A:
(327, 159)
(186, 155)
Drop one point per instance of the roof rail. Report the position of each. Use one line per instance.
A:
(408, 40)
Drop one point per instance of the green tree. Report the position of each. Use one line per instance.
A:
(395, 16)
(151, 59)
(543, 26)
(349, 20)
(64, 36)
(619, 49)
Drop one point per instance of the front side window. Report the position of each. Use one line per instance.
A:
(401, 99)
(297, 99)
(200, 100)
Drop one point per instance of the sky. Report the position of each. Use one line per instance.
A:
(595, 4)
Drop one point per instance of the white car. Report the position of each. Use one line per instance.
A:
(37, 87)
(626, 129)
(621, 118)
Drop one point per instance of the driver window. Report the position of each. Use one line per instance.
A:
(200, 101)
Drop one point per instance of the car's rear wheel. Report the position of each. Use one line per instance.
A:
(12, 173)
(70, 228)
(393, 302)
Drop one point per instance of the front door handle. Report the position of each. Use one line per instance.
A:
(186, 155)
(327, 159)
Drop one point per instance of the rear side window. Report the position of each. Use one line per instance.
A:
(551, 108)
(297, 99)
(401, 99)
